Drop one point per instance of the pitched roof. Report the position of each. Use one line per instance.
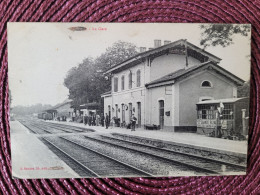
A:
(67, 101)
(90, 105)
(139, 57)
(174, 76)
(106, 93)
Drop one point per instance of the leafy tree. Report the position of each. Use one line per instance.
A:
(222, 34)
(244, 90)
(86, 82)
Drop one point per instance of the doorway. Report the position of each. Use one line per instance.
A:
(161, 114)
(139, 114)
(130, 111)
(123, 113)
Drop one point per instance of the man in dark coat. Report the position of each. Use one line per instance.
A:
(107, 121)
(133, 122)
(102, 119)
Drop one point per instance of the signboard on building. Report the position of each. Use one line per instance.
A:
(207, 123)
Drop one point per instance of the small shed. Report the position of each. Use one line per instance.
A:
(230, 116)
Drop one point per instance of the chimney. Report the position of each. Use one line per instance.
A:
(142, 49)
(167, 42)
(157, 43)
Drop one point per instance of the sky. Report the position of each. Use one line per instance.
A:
(40, 54)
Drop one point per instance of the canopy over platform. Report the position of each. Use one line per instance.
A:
(228, 100)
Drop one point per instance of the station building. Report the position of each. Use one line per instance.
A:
(63, 111)
(162, 86)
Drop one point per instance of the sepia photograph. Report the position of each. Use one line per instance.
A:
(113, 100)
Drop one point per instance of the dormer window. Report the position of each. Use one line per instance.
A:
(206, 84)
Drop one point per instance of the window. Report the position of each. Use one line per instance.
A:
(206, 111)
(206, 84)
(138, 78)
(227, 112)
(130, 80)
(122, 82)
(115, 84)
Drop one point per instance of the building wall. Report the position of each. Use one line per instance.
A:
(179, 99)
(166, 64)
(125, 73)
(65, 110)
(191, 92)
(126, 98)
(107, 102)
(128, 95)
(157, 94)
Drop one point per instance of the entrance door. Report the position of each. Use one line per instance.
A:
(161, 113)
(139, 113)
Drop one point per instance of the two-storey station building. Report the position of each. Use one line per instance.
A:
(162, 86)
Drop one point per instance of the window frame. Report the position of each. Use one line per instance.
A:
(130, 80)
(115, 84)
(138, 78)
(211, 85)
(123, 82)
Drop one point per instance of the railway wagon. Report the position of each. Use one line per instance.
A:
(40, 116)
(45, 116)
(223, 117)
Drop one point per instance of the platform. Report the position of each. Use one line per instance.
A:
(198, 140)
(31, 158)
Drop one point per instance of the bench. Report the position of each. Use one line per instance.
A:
(152, 127)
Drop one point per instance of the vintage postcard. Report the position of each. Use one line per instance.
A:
(128, 100)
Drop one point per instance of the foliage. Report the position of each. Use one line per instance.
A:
(86, 82)
(244, 90)
(222, 34)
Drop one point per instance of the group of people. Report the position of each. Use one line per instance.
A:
(97, 120)
(94, 120)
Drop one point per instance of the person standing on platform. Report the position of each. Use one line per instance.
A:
(97, 119)
(133, 122)
(102, 119)
(107, 121)
(90, 120)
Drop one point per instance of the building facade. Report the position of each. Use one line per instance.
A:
(162, 86)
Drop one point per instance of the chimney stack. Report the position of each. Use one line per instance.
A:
(167, 42)
(157, 43)
(142, 49)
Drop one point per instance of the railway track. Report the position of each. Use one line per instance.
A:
(207, 162)
(50, 128)
(193, 162)
(90, 163)
(155, 164)
(96, 155)
(67, 127)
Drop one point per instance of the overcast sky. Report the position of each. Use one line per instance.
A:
(40, 54)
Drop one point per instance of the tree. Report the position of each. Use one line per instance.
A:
(222, 34)
(86, 82)
(244, 90)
